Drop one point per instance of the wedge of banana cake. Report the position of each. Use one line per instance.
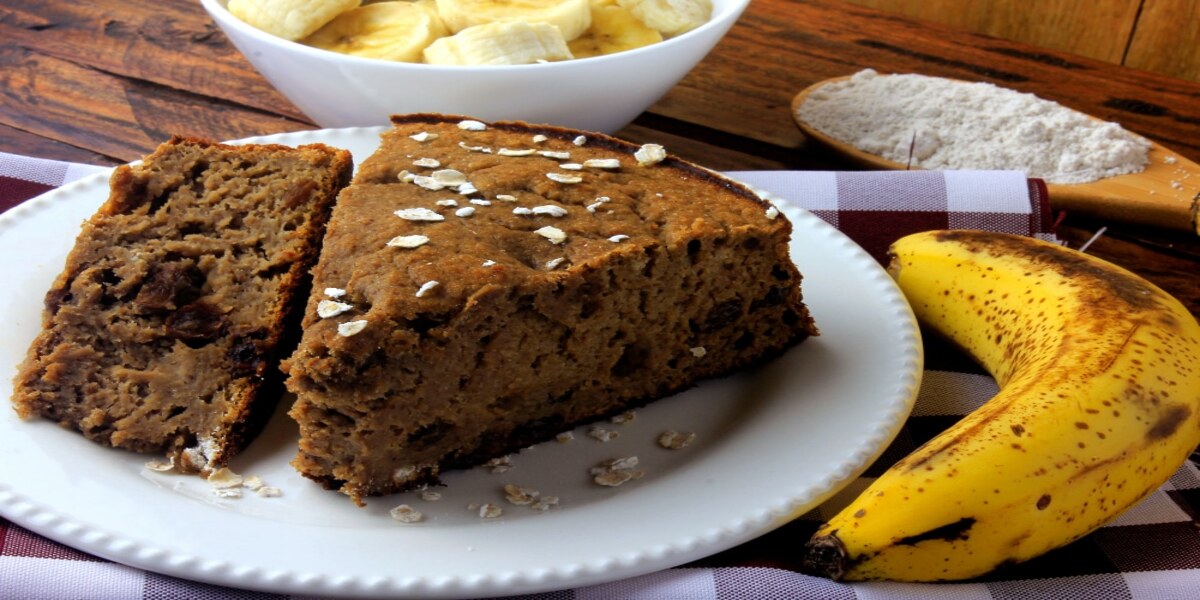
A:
(485, 286)
(164, 331)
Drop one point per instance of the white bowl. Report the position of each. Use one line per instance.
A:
(602, 93)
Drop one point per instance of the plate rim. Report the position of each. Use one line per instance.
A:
(772, 513)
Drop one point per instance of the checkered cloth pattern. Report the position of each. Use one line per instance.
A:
(1150, 552)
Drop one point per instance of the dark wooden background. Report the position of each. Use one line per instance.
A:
(104, 82)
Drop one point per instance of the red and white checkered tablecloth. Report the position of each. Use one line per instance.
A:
(1150, 552)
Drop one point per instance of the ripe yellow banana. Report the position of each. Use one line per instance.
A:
(613, 29)
(387, 30)
(1099, 403)
(289, 19)
(571, 17)
(506, 43)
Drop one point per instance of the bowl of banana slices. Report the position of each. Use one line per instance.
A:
(585, 64)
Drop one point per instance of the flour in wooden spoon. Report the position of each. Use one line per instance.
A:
(946, 124)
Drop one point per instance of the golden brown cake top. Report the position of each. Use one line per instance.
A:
(450, 206)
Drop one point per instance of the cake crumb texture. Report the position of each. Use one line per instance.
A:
(557, 304)
(163, 332)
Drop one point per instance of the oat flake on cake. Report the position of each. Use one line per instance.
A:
(947, 124)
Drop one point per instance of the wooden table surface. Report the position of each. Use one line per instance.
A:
(104, 82)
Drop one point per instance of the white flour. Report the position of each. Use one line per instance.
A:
(959, 125)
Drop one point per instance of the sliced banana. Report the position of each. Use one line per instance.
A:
(398, 31)
(613, 29)
(289, 19)
(502, 43)
(670, 17)
(571, 17)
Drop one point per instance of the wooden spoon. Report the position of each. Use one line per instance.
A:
(1164, 194)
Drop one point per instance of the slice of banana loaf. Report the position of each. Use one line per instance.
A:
(483, 287)
(164, 331)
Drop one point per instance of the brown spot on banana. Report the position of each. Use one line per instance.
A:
(1168, 422)
(1070, 266)
(948, 444)
(958, 530)
(1100, 464)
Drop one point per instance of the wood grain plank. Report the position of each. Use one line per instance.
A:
(1167, 39)
(15, 141)
(1094, 28)
(172, 43)
(118, 118)
(778, 48)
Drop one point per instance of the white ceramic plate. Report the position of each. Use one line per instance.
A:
(771, 444)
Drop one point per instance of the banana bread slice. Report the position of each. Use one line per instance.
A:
(164, 331)
(485, 286)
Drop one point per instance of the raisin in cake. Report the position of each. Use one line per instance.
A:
(164, 331)
(485, 286)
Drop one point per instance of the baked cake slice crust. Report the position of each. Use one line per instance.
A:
(485, 286)
(164, 331)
